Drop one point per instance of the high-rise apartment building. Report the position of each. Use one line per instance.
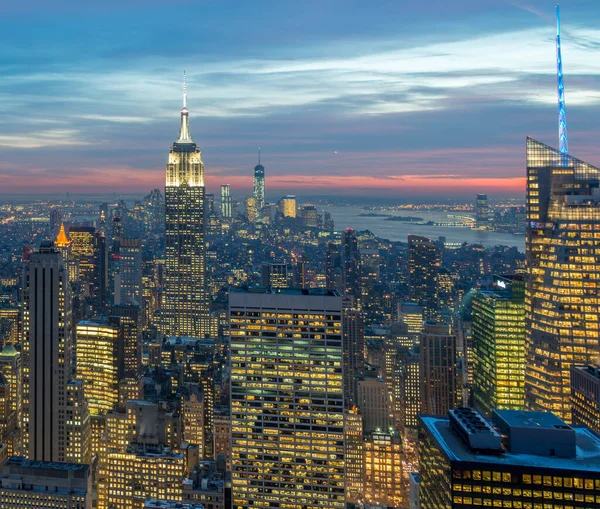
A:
(438, 370)
(259, 184)
(47, 351)
(499, 346)
(424, 263)
(585, 396)
(531, 460)
(562, 250)
(43, 484)
(186, 306)
(287, 398)
(226, 204)
(98, 346)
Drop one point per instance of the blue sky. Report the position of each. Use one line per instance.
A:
(343, 96)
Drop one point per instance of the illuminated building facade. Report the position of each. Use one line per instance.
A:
(499, 346)
(287, 206)
(585, 396)
(351, 265)
(128, 318)
(410, 389)
(226, 204)
(411, 314)
(185, 306)
(130, 271)
(251, 210)
(192, 410)
(424, 263)
(355, 460)
(259, 184)
(11, 368)
(533, 461)
(274, 275)
(383, 469)
(41, 484)
(83, 251)
(439, 375)
(48, 341)
(287, 403)
(98, 364)
(562, 250)
(77, 429)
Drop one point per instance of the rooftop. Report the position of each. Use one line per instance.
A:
(587, 446)
(322, 292)
(23, 462)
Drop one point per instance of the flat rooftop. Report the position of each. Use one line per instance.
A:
(322, 292)
(587, 447)
(23, 462)
(529, 419)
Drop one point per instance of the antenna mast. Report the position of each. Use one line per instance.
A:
(562, 110)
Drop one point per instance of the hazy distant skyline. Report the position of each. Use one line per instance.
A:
(402, 98)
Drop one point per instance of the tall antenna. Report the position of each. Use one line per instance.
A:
(562, 110)
(184, 90)
(259, 156)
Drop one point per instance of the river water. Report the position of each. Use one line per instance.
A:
(349, 217)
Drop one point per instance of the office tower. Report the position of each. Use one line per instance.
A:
(101, 283)
(226, 204)
(77, 428)
(63, 245)
(287, 206)
(355, 460)
(251, 210)
(373, 400)
(274, 275)
(482, 210)
(130, 271)
(353, 344)
(534, 460)
(97, 357)
(301, 273)
(585, 396)
(439, 375)
(499, 346)
(154, 211)
(424, 263)
(192, 414)
(333, 271)
(11, 369)
(411, 314)
(42, 484)
(56, 218)
(186, 305)
(384, 485)
(308, 216)
(84, 252)
(128, 319)
(48, 342)
(259, 184)
(287, 398)
(410, 389)
(562, 312)
(351, 264)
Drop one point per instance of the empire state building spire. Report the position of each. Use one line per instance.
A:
(184, 129)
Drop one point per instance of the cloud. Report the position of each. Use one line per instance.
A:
(41, 139)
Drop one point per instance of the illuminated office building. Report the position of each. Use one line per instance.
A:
(42, 484)
(585, 396)
(424, 263)
(11, 368)
(532, 460)
(251, 210)
(383, 469)
(287, 398)
(287, 206)
(77, 429)
(309, 217)
(192, 413)
(410, 389)
(185, 307)
(130, 271)
(259, 184)
(128, 318)
(63, 244)
(355, 460)
(98, 347)
(562, 250)
(226, 204)
(48, 342)
(499, 346)
(83, 251)
(411, 314)
(438, 370)
(274, 275)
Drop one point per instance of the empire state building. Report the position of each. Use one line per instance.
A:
(185, 305)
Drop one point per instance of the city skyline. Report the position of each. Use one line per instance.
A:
(332, 101)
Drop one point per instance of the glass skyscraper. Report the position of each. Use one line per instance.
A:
(185, 305)
(563, 251)
(259, 184)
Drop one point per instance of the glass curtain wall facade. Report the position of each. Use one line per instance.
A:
(563, 251)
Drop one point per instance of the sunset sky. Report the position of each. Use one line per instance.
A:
(395, 97)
